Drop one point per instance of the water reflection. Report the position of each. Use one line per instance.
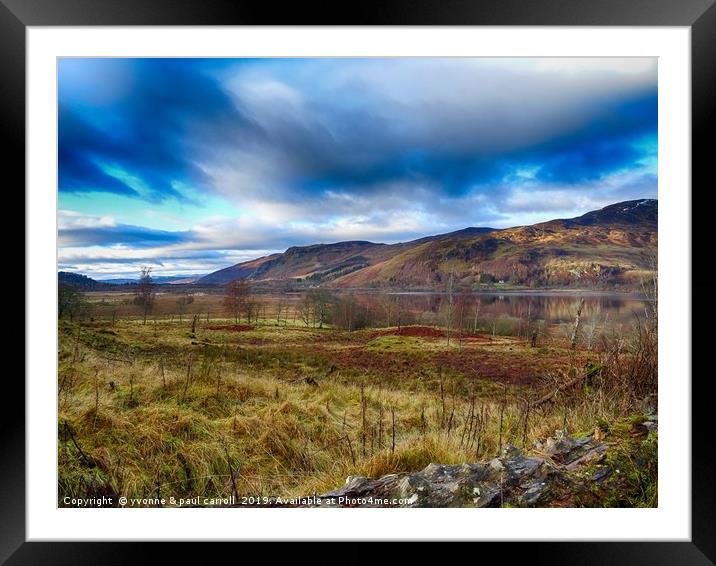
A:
(481, 311)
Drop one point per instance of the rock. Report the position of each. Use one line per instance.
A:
(558, 447)
(447, 486)
(512, 478)
(536, 492)
(573, 452)
(486, 496)
(601, 473)
(590, 453)
(510, 451)
(520, 467)
(354, 481)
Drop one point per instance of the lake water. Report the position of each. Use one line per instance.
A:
(497, 312)
(507, 312)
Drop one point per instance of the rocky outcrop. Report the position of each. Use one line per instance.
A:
(562, 471)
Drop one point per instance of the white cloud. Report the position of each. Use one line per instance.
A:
(387, 150)
(70, 219)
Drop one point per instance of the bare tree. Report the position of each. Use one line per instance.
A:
(279, 310)
(70, 301)
(461, 307)
(386, 303)
(236, 297)
(144, 294)
(398, 310)
(590, 327)
(182, 303)
(575, 332)
(477, 314)
(346, 314)
(321, 301)
(305, 310)
(251, 309)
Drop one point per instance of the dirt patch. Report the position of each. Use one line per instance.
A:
(430, 332)
(416, 331)
(231, 327)
(504, 366)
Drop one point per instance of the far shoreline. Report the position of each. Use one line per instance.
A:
(491, 291)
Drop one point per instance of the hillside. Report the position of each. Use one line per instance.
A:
(156, 279)
(319, 263)
(78, 281)
(610, 247)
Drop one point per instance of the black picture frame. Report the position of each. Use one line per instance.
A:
(699, 15)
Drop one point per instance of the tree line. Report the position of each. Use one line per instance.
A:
(459, 312)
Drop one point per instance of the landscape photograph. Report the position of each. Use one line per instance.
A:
(357, 282)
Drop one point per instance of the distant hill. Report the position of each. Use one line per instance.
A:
(156, 279)
(611, 247)
(78, 281)
(117, 281)
(318, 263)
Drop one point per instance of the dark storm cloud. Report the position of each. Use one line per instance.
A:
(80, 148)
(599, 147)
(147, 137)
(180, 120)
(604, 146)
(259, 155)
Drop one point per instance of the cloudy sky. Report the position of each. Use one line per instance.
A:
(191, 165)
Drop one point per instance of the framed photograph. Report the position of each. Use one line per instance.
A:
(424, 275)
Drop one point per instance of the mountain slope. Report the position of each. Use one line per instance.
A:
(78, 281)
(614, 246)
(318, 263)
(156, 279)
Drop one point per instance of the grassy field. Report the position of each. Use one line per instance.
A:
(279, 408)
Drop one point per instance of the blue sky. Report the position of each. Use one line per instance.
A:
(191, 165)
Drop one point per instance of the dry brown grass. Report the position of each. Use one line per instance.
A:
(150, 409)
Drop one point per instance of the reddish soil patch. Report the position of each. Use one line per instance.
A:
(506, 366)
(429, 332)
(501, 366)
(418, 331)
(231, 327)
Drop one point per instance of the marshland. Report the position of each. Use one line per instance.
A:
(176, 391)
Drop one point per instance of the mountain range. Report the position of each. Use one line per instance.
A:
(158, 279)
(611, 247)
(614, 247)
